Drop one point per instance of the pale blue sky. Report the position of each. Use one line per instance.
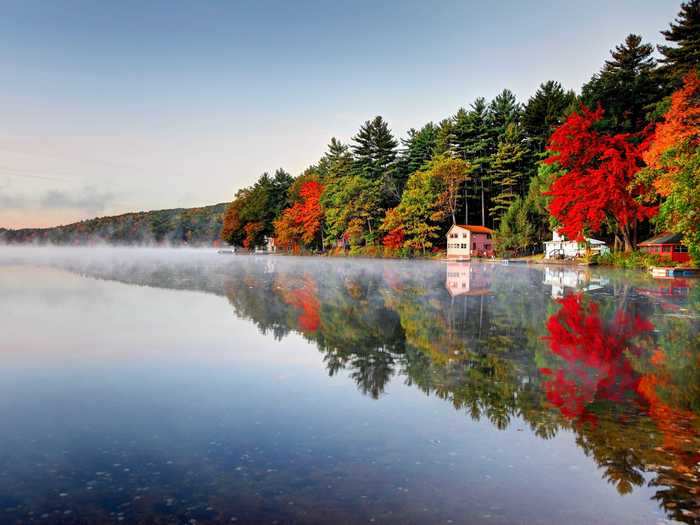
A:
(109, 107)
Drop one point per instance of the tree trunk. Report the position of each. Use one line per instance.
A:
(466, 203)
(483, 209)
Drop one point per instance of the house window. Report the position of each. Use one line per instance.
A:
(473, 246)
(487, 246)
(488, 236)
(464, 236)
(666, 248)
(680, 248)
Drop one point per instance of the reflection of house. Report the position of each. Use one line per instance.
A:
(560, 279)
(667, 245)
(467, 279)
(464, 241)
(559, 247)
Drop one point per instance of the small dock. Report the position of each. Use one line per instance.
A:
(664, 272)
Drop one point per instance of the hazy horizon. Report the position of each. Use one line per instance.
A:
(109, 109)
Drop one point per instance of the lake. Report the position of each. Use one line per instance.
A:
(185, 386)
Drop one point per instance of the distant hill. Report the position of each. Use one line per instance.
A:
(193, 226)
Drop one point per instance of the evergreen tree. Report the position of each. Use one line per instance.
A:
(626, 87)
(337, 162)
(508, 171)
(684, 55)
(374, 149)
(445, 138)
(418, 149)
(503, 111)
(473, 139)
(545, 111)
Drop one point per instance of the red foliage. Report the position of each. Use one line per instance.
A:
(304, 297)
(598, 184)
(394, 239)
(596, 367)
(302, 221)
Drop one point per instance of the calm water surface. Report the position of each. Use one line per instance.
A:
(176, 386)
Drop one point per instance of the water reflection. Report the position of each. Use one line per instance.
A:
(612, 358)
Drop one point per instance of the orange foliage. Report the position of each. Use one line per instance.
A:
(302, 221)
(681, 125)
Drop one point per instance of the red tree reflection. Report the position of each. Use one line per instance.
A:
(303, 295)
(596, 368)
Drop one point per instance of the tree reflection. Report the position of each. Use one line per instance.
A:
(602, 358)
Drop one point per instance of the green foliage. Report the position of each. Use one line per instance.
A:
(627, 86)
(374, 149)
(684, 35)
(527, 223)
(508, 171)
(631, 260)
(680, 212)
(545, 111)
(353, 209)
(422, 208)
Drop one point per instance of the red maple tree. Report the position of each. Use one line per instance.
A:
(598, 185)
(301, 223)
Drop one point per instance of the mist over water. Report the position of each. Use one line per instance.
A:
(170, 385)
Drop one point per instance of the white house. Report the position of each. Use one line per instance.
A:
(559, 247)
(465, 241)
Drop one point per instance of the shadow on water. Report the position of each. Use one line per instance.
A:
(611, 357)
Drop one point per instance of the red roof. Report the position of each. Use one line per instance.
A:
(475, 229)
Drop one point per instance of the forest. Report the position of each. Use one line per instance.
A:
(620, 161)
(179, 226)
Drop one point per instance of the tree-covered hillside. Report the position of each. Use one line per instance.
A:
(179, 226)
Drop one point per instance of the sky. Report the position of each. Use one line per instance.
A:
(110, 107)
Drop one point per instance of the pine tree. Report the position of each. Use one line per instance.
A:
(473, 138)
(374, 149)
(503, 111)
(685, 34)
(337, 162)
(445, 138)
(627, 86)
(508, 171)
(545, 111)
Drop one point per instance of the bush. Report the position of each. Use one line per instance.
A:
(631, 260)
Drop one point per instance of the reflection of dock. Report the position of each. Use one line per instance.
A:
(464, 279)
(574, 279)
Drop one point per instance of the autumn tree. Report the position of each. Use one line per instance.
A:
(301, 223)
(598, 186)
(674, 164)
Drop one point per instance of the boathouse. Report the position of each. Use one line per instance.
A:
(465, 241)
(667, 245)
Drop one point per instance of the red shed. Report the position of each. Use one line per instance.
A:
(667, 245)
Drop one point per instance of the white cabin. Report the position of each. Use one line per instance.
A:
(560, 247)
